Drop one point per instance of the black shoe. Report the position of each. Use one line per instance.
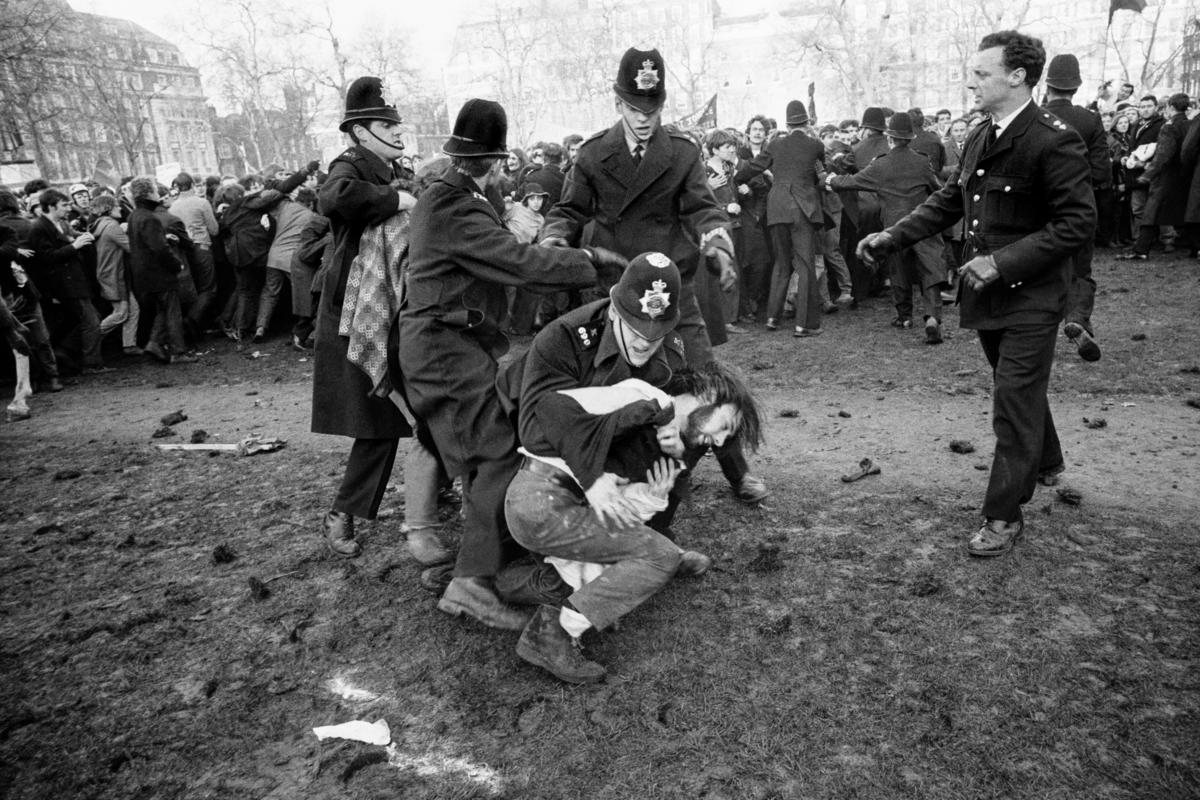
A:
(902, 322)
(436, 579)
(1083, 341)
(933, 331)
(156, 351)
(339, 535)
(545, 644)
(751, 490)
(693, 563)
(475, 598)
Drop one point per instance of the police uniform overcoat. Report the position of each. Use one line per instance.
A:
(870, 148)
(356, 194)
(1027, 201)
(1190, 158)
(578, 349)
(461, 258)
(1089, 126)
(794, 160)
(663, 205)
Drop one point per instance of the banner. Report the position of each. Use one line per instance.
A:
(705, 118)
(1137, 6)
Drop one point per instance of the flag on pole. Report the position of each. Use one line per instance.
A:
(1114, 6)
(705, 118)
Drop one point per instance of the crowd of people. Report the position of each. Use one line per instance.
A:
(628, 255)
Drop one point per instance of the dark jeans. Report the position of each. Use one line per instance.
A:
(1026, 439)
(168, 320)
(1106, 217)
(250, 284)
(84, 336)
(204, 276)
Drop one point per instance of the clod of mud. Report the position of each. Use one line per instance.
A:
(1070, 496)
(961, 446)
(778, 621)
(67, 474)
(926, 584)
(1138, 337)
(258, 589)
(223, 554)
(1095, 423)
(53, 527)
(767, 560)
(199, 436)
(174, 418)
(789, 413)
(844, 414)
(162, 433)
(1194, 402)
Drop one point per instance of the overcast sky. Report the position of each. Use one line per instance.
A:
(434, 19)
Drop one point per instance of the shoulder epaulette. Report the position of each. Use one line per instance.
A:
(590, 333)
(593, 137)
(1051, 121)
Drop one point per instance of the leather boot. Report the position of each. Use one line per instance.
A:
(476, 598)
(339, 534)
(545, 644)
(425, 546)
(751, 490)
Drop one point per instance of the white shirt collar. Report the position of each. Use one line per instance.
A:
(1002, 124)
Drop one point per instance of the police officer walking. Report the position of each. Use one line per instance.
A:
(1023, 192)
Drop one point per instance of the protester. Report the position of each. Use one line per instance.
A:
(112, 273)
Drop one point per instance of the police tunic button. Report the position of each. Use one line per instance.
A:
(974, 223)
(975, 198)
(979, 172)
(1008, 188)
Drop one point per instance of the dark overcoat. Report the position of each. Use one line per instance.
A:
(156, 264)
(461, 258)
(794, 161)
(1167, 200)
(664, 205)
(56, 266)
(1027, 201)
(1190, 157)
(1089, 126)
(357, 194)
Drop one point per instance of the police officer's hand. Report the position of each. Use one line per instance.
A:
(609, 266)
(728, 275)
(610, 505)
(553, 241)
(979, 272)
(82, 241)
(875, 246)
(669, 440)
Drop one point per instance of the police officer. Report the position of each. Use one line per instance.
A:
(1062, 81)
(902, 180)
(359, 192)
(1023, 193)
(461, 258)
(640, 187)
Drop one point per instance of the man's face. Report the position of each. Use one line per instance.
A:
(726, 152)
(943, 119)
(382, 137)
(640, 124)
(758, 132)
(989, 81)
(1146, 109)
(1125, 92)
(573, 151)
(1108, 118)
(635, 348)
(846, 136)
(537, 157)
(711, 425)
(81, 199)
(58, 212)
(958, 131)
(827, 139)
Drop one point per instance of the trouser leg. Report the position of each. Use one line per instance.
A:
(204, 275)
(366, 478)
(835, 262)
(481, 553)
(421, 471)
(39, 342)
(1026, 440)
(549, 519)
(130, 328)
(1081, 296)
(781, 273)
(269, 297)
(901, 284)
(808, 294)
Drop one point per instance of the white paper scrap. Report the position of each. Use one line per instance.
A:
(358, 730)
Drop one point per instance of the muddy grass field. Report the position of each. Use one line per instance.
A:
(171, 626)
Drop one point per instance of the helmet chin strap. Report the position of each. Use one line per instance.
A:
(398, 148)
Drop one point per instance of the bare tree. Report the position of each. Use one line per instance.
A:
(515, 44)
(119, 103)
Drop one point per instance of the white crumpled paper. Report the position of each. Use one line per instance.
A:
(358, 730)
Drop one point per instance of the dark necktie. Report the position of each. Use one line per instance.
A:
(637, 154)
(993, 132)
